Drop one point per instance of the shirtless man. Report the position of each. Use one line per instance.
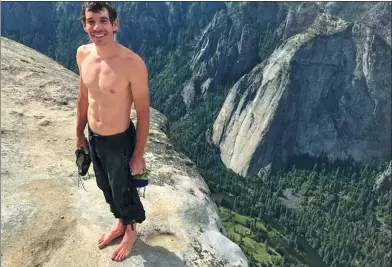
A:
(112, 78)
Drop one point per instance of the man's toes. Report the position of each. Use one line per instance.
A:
(101, 244)
(114, 255)
(117, 258)
(101, 238)
(124, 256)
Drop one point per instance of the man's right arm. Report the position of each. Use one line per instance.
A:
(82, 103)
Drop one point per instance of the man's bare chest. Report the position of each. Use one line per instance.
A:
(104, 77)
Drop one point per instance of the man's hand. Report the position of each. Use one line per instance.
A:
(81, 141)
(137, 165)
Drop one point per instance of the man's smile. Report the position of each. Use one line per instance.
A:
(98, 35)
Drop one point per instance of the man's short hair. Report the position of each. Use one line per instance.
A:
(96, 6)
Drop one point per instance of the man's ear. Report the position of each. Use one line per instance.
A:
(115, 25)
(84, 26)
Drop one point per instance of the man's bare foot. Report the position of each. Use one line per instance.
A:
(106, 238)
(125, 247)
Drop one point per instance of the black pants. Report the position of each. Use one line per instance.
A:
(110, 156)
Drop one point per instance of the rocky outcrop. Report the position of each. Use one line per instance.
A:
(47, 220)
(324, 90)
(384, 182)
(375, 15)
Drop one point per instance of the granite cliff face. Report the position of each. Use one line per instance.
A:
(229, 46)
(323, 90)
(47, 220)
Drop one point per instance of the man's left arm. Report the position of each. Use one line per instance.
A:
(141, 99)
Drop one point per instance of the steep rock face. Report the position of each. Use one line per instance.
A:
(324, 90)
(298, 20)
(229, 45)
(47, 220)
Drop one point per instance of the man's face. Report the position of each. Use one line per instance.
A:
(99, 27)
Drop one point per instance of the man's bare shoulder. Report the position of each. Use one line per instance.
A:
(84, 48)
(135, 64)
(82, 52)
(131, 58)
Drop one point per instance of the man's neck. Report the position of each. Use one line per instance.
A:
(107, 51)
